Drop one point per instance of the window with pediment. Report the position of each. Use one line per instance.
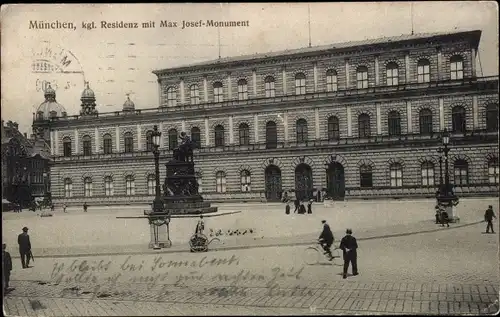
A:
(423, 71)
(218, 92)
(172, 139)
(194, 94)
(392, 74)
(87, 145)
(67, 146)
(300, 84)
(362, 77)
(244, 134)
(242, 89)
(331, 80)
(129, 142)
(219, 135)
(171, 97)
(107, 144)
(269, 87)
(196, 137)
(456, 67)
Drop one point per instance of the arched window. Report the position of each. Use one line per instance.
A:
(130, 185)
(271, 135)
(396, 171)
(67, 146)
(427, 172)
(245, 181)
(392, 74)
(461, 172)
(423, 71)
(171, 96)
(365, 176)
(394, 122)
(301, 127)
(362, 77)
(492, 117)
(244, 133)
(129, 142)
(458, 119)
(269, 87)
(218, 92)
(108, 186)
(220, 182)
(331, 80)
(333, 128)
(194, 94)
(149, 141)
(107, 144)
(87, 187)
(196, 137)
(172, 139)
(242, 89)
(456, 67)
(300, 84)
(364, 125)
(219, 135)
(493, 171)
(151, 184)
(87, 146)
(68, 188)
(425, 121)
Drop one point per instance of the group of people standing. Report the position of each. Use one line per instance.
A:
(300, 208)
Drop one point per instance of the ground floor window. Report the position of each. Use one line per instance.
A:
(130, 185)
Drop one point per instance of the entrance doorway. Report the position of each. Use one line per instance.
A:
(303, 182)
(335, 181)
(273, 183)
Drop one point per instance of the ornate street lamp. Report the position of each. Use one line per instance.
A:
(446, 197)
(156, 219)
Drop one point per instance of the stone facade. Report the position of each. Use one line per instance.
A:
(315, 150)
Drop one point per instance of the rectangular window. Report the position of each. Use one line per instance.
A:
(270, 91)
(396, 177)
(493, 174)
(67, 149)
(88, 189)
(68, 190)
(424, 74)
(108, 146)
(428, 177)
(130, 187)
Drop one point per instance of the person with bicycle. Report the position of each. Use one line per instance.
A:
(326, 239)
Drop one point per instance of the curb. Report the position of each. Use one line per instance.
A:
(245, 247)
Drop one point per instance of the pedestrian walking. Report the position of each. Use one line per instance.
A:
(438, 215)
(297, 205)
(287, 207)
(85, 207)
(488, 217)
(349, 247)
(309, 206)
(52, 207)
(24, 247)
(64, 207)
(326, 239)
(7, 267)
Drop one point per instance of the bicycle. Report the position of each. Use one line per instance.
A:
(314, 254)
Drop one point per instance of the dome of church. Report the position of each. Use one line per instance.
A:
(128, 105)
(88, 93)
(50, 108)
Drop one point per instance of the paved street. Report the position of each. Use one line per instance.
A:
(447, 271)
(100, 232)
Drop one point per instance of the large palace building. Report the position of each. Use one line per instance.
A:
(356, 120)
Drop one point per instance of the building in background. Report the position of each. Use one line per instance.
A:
(358, 119)
(25, 167)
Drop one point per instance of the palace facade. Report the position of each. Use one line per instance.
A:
(358, 120)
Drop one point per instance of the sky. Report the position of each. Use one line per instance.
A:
(119, 61)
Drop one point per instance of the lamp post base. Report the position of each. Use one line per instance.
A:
(159, 237)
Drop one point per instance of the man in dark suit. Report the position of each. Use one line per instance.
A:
(326, 238)
(349, 248)
(7, 267)
(24, 247)
(488, 217)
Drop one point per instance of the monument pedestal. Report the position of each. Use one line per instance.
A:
(159, 234)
